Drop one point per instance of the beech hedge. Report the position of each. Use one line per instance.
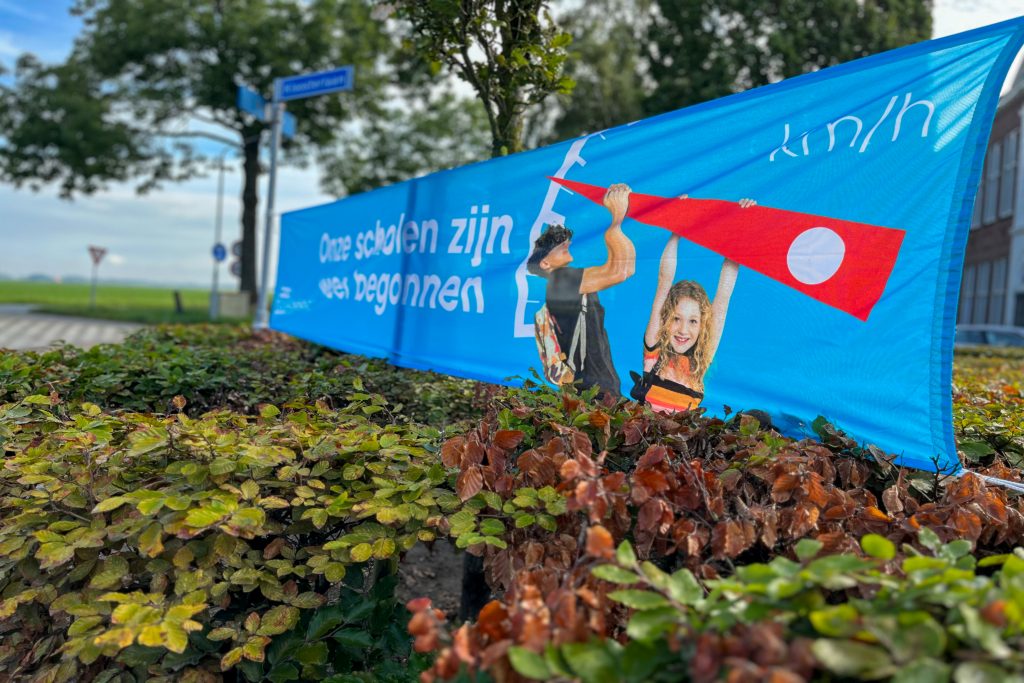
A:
(206, 504)
(711, 498)
(175, 548)
(933, 616)
(234, 368)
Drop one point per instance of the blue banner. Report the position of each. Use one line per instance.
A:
(795, 248)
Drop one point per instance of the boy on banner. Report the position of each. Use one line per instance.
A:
(571, 336)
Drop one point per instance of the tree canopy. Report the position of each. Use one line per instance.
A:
(638, 58)
(147, 78)
(510, 51)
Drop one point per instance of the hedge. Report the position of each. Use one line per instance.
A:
(204, 504)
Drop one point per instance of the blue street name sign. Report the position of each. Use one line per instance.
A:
(288, 125)
(251, 102)
(219, 252)
(320, 83)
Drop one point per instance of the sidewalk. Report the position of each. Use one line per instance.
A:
(21, 329)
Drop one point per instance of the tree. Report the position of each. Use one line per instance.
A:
(59, 127)
(697, 50)
(145, 73)
(605, 64)
(638, 58)
(418, 132)
(509, 51)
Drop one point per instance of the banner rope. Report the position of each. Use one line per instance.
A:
(1013, 485)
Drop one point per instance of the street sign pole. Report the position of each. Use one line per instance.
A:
(262, 318)
(96, 254)
(92, 290)
(285, 89)
(215, 295)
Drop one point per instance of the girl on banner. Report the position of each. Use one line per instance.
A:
(682, 334)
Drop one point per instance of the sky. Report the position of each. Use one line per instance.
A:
(167, 235)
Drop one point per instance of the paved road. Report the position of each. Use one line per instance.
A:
(21, 329)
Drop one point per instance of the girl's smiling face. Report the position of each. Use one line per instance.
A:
(684, 325)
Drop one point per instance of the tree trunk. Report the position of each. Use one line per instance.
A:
(508, 139)
(249, 207)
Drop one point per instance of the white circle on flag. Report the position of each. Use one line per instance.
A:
(815, 255)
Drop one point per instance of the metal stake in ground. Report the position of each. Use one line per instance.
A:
(97, 254)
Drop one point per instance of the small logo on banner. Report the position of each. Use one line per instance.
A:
(843, 264)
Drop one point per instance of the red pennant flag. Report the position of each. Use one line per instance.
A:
(840, 263)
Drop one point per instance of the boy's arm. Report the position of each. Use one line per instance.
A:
(621, 254)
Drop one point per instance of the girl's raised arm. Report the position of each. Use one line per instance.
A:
(666, 274)
(720, 306)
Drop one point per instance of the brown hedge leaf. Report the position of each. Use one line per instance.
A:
(600, 542)
(891, 500)
(492, 620)
(570, 470)
(783, 487)
(508, 438)
(473, 454)
(470, 482)
(451, 451)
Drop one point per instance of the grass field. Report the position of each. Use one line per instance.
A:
(149, 305)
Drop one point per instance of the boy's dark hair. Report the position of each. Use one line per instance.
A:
(553, 235)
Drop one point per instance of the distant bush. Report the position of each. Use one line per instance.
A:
(220, 366)
(988, 405)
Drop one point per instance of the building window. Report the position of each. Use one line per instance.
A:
(967, 296)
(981, 293)
(992, 168)
(1007, 184)
(997, 300)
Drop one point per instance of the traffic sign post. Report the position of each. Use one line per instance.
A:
(97, 254)
(219, 252)
(252, 103)
(235, 267)
(286, 89)
(288, 126)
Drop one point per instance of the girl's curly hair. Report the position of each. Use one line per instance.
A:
(699, 354)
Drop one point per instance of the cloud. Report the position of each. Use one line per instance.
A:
(164, 236)
(7, 46)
